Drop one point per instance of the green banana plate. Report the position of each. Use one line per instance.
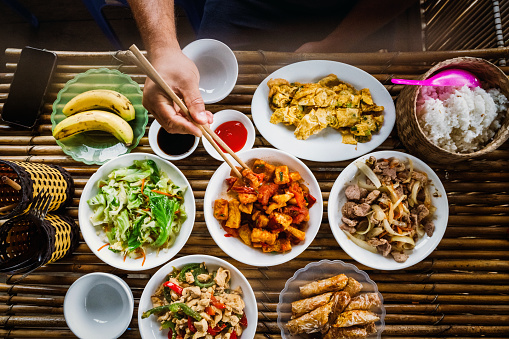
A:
(95, 147)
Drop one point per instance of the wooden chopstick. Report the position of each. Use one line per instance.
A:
(141, 61)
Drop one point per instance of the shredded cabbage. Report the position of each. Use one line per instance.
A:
(132, 218)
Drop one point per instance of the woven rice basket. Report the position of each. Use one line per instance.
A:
(22, 240)
(410, 132)
(34, 178)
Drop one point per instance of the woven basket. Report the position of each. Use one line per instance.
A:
(410, 132)
(22, 240)
(34, 178)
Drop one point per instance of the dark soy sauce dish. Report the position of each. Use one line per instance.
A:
(171, 146)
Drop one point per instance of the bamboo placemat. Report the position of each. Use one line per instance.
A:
(460, 290)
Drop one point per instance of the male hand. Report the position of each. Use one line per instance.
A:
(181, 74)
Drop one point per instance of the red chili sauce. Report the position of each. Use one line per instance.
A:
(233, 133)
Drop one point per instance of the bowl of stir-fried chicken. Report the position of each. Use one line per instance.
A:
(388, 210)
(330, 300)
(198, 296)
(270, 215)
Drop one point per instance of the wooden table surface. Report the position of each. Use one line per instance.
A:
(459, 290)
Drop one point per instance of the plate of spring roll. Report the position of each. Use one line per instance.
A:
(330, 300)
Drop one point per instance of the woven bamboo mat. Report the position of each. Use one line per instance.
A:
(459, 290)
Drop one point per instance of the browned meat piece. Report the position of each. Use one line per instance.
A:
(400, 257)
(364, 192)
(353, 192)
(422, 212)
(372, 196)
(382, 246)
(347, 228)
(361, 210)
(347, 209)
(429, 227)
(380, 166)
(399, 191)
(413, 221)
(349, 222)
(390, 172)
(402, 176)
(419, 176)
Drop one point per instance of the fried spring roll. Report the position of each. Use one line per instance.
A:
(314, 321)
(351, 332)
(336, 283)
(304, 306)
(341, 301)
(353, 287)
(365, 302)
(355, 317)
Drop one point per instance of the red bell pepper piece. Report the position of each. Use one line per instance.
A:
(216, 330)
(216, 303)
(176, 288)
(209, 310)
(243, 321)
(190, 325)
(233, 335)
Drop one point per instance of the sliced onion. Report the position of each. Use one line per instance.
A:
(361, 243)
(415, 190)
(369, 173)
(365, 185)
(374, 232)
(420, 231)
(389, 229)
(368, 228)
(379, 213)
(408, 243)
(427, 199)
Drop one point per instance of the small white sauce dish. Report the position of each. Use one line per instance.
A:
(217, 65)
(225, 116)
(98, 305)
(152, 140)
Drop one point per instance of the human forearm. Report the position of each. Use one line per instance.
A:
(156, 23)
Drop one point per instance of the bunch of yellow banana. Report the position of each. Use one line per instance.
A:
(97, 110)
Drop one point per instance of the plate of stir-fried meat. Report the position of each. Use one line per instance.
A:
(323, 110)
(270, 215)
(388, 210)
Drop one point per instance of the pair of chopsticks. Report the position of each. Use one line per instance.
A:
(135, 55)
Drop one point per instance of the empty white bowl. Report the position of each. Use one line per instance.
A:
(98, 305)
(152, 140)
(217, 66)
(230, 115)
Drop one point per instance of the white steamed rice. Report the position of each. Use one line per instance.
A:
(462, 119)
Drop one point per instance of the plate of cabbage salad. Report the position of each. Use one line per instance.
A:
(137, 208)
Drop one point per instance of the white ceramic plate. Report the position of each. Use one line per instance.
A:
(149, 327)
(234, 247)
(94, 241)
(225, 116)
(322, 270)
(424, 245)
(325, 146)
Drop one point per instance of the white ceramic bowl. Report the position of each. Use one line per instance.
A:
(225, 116)
(217, 65)
(94, 241)
(234, 247)
(152, 139)
(424, 245)
(98, 305)
(149, 327)
(322, 270)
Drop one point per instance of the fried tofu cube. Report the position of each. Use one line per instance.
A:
(261, 166)
(233, 214)
(264, 236)
(296, 233)
(246, 208)
(247, 198)
(282, 175)
(282, 219)
(251, 178)
(280, 246)
(295, 176)
(245, 234)
(285, 244)
(261, 221)
(221, 209)
(282, 198)
(276, 247)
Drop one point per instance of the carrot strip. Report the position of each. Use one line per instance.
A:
(103, 246)
(167, 194)
(142, 185)
(144, 258)
(125, 256)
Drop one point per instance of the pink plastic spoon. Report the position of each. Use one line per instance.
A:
(449, 77)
